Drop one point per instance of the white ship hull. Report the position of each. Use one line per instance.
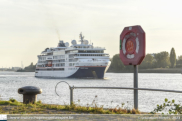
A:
(77, 72)
(77, 61)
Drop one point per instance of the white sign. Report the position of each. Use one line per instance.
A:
(3, 117)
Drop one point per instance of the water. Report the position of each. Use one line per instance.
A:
(11, 81)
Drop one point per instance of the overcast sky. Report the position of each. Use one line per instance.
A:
(27, 27)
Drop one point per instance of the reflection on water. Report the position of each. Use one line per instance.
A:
(11, 81)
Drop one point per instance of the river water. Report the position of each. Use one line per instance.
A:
(147, 100)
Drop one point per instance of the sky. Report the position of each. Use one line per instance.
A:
(27, 27)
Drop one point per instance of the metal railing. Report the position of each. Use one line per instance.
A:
(129, 88)
(162, 90)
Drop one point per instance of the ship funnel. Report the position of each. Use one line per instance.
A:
(61, 43)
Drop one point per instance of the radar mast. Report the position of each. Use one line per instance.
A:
(81, 37)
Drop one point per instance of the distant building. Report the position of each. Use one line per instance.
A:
(16, 68)
(153, 54)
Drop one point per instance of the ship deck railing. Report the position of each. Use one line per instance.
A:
(90, 47)
(91, 55)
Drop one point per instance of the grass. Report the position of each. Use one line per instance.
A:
(14, 107)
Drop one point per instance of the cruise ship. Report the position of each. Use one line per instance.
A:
(76, 61)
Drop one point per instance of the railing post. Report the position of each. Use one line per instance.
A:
(71, 95)
(136, 86)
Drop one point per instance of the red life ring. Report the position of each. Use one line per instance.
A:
(132, 45)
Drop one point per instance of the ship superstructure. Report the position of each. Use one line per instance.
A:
(76, 61)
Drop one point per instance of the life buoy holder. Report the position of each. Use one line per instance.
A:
(132, 45)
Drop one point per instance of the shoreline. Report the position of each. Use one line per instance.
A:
(154, 70)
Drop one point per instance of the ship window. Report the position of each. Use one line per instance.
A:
(58, 69)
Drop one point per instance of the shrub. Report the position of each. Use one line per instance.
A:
(12, 100)
(170, 106)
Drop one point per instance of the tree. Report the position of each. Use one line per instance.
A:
(147, 62)
(162, 59)
(179, 61)
(180, 57)
(30, 68)
(116, 64)
(173, 58)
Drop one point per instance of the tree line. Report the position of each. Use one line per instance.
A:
(157, 60)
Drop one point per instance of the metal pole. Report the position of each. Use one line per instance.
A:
(71, 95)
(135, 86)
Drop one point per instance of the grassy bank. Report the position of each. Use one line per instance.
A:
(14, 107)
(161, 70)
(154, 70)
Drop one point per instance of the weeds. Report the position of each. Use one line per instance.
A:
(168, 106)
